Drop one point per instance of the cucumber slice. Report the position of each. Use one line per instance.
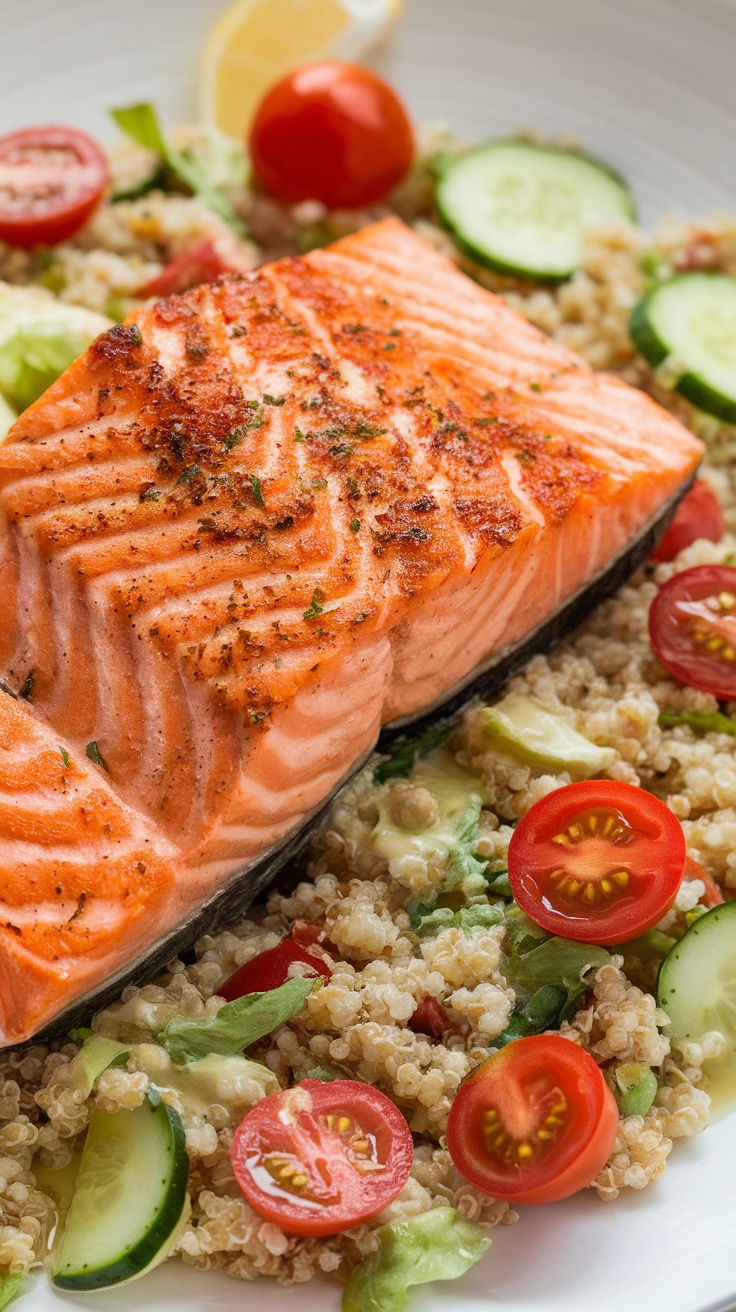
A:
(130, 1197)
(524, 208)
(697, 982)
(686, 328)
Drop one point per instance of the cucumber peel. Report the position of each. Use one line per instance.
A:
(130, 1200)
(697, 981)
(523, 208)
(685, 328)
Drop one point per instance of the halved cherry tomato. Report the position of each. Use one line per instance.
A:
(320, 1158)
(712, 897)
(697, 516)
(535, 1123)
(309, 936)
(692, 628)
(600, 862)
(271, 969)
(200, 264)
(51, 179)
(431, 1018)
(332, 132)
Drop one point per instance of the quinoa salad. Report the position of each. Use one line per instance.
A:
(423, 956)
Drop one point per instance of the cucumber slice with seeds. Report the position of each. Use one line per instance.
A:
(697, 981)
(686, 330)
(524, 208)
(130, 1199)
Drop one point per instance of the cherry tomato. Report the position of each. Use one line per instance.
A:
(332, 132)
(200, 264)
(309, 936)
(600, 862)
(535, 1123)
(51, 179)
(271, 969)
(320, 1158)
(712, 897)
(697, 516)
(692, 628)
(431, 1018)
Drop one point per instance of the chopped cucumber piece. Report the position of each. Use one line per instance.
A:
(686, 330)
(537, 737)
(636, 1088)
(697, 982)
(130, 1198)
(524, 208)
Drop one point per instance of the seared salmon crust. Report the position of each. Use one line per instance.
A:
(246, 529)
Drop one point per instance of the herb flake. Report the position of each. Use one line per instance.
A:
(315, 608)
(94, 754)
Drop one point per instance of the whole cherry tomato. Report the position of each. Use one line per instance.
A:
(332, 132)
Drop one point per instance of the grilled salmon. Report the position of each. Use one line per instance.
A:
(241, 532)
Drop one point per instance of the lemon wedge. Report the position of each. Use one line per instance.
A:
(256, 42)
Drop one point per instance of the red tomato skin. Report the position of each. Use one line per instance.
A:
(360, 1196)
(500, 1080)
(697, 516)
(270, 969)
(199, 264)
(680, 656)
(712, 897)
(626, 918)
(431, 1018)
(54, 219)
(333, 132)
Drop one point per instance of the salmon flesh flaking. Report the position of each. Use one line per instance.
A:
(243, 532)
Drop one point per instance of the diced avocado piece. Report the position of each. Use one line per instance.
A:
(94, 1057)
(213, 1079)
(636, 1088)
(40, 336)
(539, 738)
(457, 795)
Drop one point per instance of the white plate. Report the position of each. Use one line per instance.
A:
(649, 85)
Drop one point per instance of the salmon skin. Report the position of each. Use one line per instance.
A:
(245, 530)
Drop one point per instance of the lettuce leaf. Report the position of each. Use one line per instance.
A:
(557, 961)
(238, 1023)
(481, 915)
(140, 122)
(436, 1245)
(541, 1012)
(405, 752)
(9, 1286)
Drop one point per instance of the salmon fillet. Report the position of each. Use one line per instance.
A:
(242, 532)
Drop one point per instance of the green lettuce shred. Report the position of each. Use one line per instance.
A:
(437, 1245)
(140, 123)
(405, 752)
(481, 915)
(553, 961)
(461, 862)
(700, 721)
(238, 1023)
(541, 1012)
(10, 1283)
